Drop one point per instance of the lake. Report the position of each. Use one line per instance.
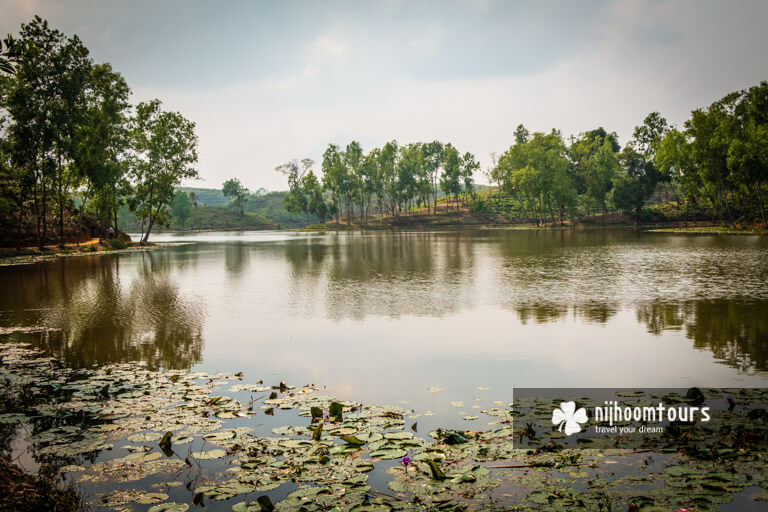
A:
(420, 319)
(437, 328)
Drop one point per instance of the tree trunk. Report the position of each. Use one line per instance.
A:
(61, 205)
(605, 212)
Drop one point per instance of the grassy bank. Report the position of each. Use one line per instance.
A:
(451, 216)
(29, 255)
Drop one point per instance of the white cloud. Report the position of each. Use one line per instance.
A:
(328, 45)
(354, 81)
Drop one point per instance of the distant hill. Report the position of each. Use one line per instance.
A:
(207, 196)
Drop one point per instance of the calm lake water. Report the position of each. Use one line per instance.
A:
(383, 317)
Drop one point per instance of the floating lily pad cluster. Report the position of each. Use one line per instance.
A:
(184, 426)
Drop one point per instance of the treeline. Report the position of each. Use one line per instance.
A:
(392, 179)
(71, 144)
(714, 167)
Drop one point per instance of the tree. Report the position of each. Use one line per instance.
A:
(521, 134)
(674, 160)
(181, 207)
(305, 195)
(45, 98)
(581, 150)
(164, 147)
(635, 183)
(388, 174)
(710, 131)
(433, 159)
(408, 171)
(602, 168)
(9, 54)
(353, 162)
(313, 191)
(450, 180)
(335, 176)
(748, 150)
(102, 143)
(469, 165)
(648, 136)
(234, 189)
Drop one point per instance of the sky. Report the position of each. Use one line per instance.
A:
(267, 82)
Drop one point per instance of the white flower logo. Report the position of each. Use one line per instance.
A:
(568, 415)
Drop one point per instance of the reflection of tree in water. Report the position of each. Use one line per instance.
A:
(390, 274)
(104, 314)
(735, 331)
(540, 313)
(552, 312)
(236, 257)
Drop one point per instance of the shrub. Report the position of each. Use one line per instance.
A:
(117, 243)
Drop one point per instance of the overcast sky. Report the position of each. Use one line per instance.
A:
(267, 82)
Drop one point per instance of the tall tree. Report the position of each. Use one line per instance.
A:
(635, 182)
(469, 166)
(450, 181)
(45, 98)
(433, 160)
(334, 176)
(602, 168)
(164, 147)
(102, 143)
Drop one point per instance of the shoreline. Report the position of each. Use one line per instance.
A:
(36, 256)
(32, 255)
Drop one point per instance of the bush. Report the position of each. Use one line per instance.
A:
(117, 243)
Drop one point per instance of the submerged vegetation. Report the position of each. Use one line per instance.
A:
(177, 439)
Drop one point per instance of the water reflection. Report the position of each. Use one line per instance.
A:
(735, 331)
(383, 274)
(100, 312)
(247, 294)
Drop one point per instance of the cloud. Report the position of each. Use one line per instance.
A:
(266, 84)
(328, 45)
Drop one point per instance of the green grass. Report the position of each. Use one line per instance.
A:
(210, 217)
(713, 230)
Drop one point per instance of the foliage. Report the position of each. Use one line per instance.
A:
(234, 189)
(164, 147)
(181, 207)
(69, 146)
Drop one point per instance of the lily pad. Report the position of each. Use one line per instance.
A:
(209, 454)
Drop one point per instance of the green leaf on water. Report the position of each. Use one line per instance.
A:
(148, 498)
(210, 454)
(388, 453)
(166, 445)
(316, 412)
(170, 507)
(352, 440)
(317, 432)
(219, 436)
(336, 410)
(265, 503)
(145, 438)
(437, 473)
